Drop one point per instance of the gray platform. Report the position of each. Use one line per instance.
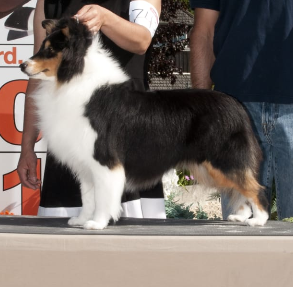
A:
(47, 252)
(143, 227)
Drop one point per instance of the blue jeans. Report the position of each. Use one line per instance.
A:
(273, 126)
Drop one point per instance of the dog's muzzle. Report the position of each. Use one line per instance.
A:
(23, 66)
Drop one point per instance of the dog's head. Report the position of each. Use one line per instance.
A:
(61, 55)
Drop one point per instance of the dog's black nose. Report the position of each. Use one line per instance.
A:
(23, 66)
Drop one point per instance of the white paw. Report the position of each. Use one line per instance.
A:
(256, 221)
(236, 218)
(95, 225)
(73, 221)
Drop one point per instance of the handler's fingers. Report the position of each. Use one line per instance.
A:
(34, 180)
(25, 180)
(87, 13)
(27, 171)
(32, 175)
(93, 25)
(83, 10)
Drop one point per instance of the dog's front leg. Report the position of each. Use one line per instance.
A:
(88, 201)
(109, 186)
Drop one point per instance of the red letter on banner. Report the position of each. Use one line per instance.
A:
(8, 93)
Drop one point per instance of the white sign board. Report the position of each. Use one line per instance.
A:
(16, 45)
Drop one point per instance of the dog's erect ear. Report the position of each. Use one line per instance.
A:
(65, 31)
(49, 25)
(63, 25)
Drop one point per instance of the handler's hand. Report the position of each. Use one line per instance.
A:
(93, 16)
(27, 170)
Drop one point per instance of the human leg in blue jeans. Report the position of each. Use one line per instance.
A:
(273, 126)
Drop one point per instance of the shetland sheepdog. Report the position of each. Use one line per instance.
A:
(114, 138)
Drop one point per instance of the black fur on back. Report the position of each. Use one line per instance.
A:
(151, 132)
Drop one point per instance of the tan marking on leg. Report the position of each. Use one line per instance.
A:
(219, 178)
(250, 188)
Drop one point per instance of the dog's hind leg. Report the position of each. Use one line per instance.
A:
(88, 200)
(255, 197)
(237, 204)
(259, 204)
(242, 214)
(253, 203)
(109, 187)
(250, 191)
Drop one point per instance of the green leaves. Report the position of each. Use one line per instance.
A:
(185, 178)
(177, 210)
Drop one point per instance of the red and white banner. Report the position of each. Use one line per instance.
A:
(16, 45)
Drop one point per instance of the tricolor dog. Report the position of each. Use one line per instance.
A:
(113, 137)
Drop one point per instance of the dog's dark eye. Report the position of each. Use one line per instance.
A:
(50, 50)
